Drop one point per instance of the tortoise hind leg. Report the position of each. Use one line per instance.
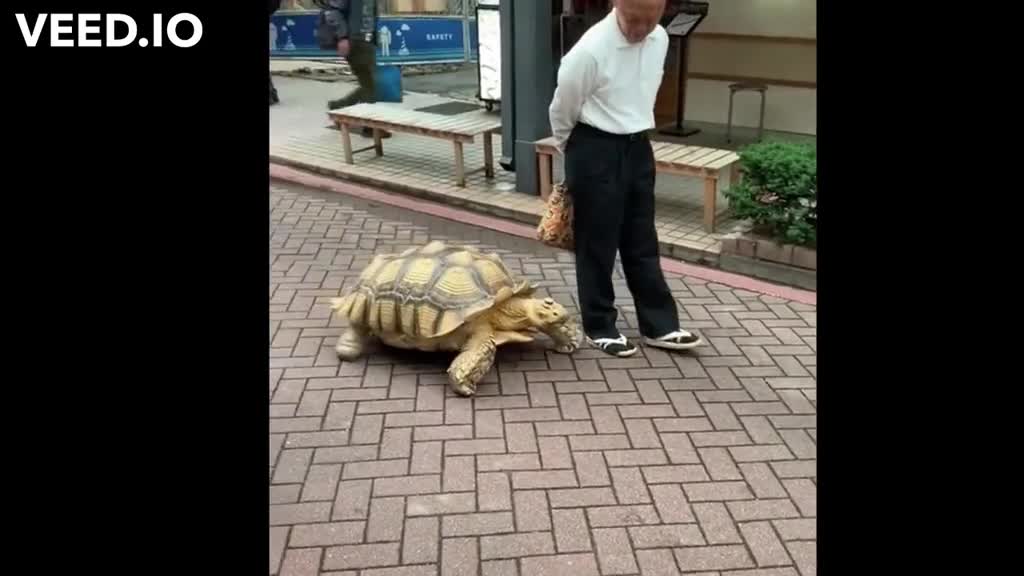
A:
(352, 343)
(473, 363)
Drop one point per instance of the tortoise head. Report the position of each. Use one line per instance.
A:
(554, 320)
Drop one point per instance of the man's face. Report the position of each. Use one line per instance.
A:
(638, 18)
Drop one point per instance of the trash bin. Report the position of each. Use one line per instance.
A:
(389, 84)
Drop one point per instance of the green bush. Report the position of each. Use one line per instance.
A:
(778, 191)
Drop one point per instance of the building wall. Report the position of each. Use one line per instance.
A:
(768, 41)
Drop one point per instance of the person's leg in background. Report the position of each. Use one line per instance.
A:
(362, 59)
(592, 165)
(656, 308)
(273, 91)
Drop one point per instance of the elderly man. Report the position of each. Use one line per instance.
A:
(601, 112)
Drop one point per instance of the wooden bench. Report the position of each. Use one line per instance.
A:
(462, 129)
(669, 158)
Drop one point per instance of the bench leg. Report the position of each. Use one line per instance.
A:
(488, 155)
(544, 170)
(346, 140)
(710, 198)
(460, 166)
(378, 142)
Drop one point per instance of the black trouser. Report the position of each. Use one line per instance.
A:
(362, 58)
(611, 180)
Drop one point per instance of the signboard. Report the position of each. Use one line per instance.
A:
(400, 40)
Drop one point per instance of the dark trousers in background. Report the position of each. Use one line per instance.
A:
(362, 58)
(611, 180)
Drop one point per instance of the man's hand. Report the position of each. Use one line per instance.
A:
(344, 47)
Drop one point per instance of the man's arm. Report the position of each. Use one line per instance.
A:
(577, 79)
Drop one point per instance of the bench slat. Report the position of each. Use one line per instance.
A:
(722, 162)
(704, 161)
(404, 120)
(672, 155)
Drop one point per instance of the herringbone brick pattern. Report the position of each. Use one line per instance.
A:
(584, 464)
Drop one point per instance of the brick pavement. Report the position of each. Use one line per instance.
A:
(656, 464)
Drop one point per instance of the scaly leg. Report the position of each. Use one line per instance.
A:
(352, 343)
(472, 364)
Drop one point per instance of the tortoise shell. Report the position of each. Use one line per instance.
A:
(429, 291)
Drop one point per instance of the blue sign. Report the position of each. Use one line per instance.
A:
(399, 40)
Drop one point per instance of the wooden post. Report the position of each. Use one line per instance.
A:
(378, 142)
(710, 197)
(544, 168)
(488, 155)
(460, 166)
(346, 140)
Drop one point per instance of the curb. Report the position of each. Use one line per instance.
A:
(303, 178)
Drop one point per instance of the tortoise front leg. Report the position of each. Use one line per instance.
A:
(473, 363)
(352, 343)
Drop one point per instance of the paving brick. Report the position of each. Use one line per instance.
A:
(359, 556)
(314, 403)
(542, 394)
(614, 552)
(804, 494)
(675, 474)
(764, 544)
(276, 441)
(494, 491)
(503, 462)
(342, 454)
(591, 469)
(632, 515)
(400, 571)
(764, 453)
(599, 442)
(531, 508)
(564, 428)
(763, 509)
(679, 448)
(689, 384)
(387, 518)
(332, 383)
(396, 443)
(719, 464)
(717, 491)
(642, 434)
(639, 457)
(316, 439)
(329, 534)
(477, 524)
(554, 452)
(279, 425)
(421, 540)
(357, 394)
(722, 417)
(671, 504)
(304, 562)
(657, 563)
(340, 416)
(292, 466)
(278, 541)
(574, 407)
(805, 554)
(667, 536)
(728, 557)
(459, 474)
(455, 432)
(490, 424)
(576, 564)
(541, 480)
(457, 411)
(469, 447)
(512, 383)
(426, 458)
(762, 480)
(366, 429)
(321, 482)
(499, 568)
(798, 421)
(647, 411)
(521, 437)
(516, 545)
(532, 415)
(285, 493)
(737, 438)
(429, 398)
(717, 524)
(571, 532)
(800, 443)
(302, 513)
(759, 390)
(682, 424)
(797, 529)
(581, 497)
(629, 486)
(761, 430)
(353, 500)
(432, 505)
(376, 469)
(606, 420)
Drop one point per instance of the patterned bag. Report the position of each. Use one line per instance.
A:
(555, 228)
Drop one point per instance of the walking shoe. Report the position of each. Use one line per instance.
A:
(678, 340)
(619, 347)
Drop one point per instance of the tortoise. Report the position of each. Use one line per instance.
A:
(448, 298)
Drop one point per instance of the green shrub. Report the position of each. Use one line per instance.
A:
(778, 191)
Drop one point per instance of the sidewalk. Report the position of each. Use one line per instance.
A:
(702, 463)
(424, 167)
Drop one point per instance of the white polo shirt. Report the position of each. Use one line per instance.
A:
(608, 83)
